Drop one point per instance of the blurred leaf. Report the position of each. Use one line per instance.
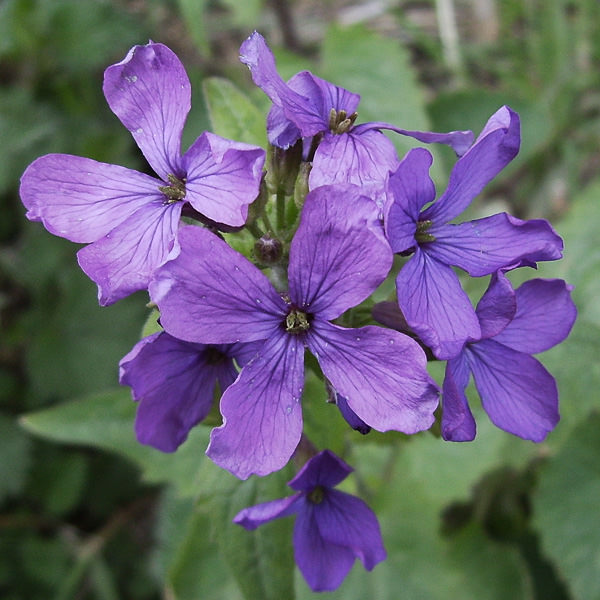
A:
(566, 510)
(232, 113)
(192, 12)
(105, 420)
(244, 12)
(15, 450)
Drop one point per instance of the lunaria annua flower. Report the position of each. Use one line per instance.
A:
(332, 528)
(130, 219)
(174, 382)
(516, 391)
(429, 292)
(211, 294)
(308, 107)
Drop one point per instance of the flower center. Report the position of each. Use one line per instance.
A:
(296, 321)
(175, 191)
(317, 495)
(340, 122)
(421, 234)
(213, 356)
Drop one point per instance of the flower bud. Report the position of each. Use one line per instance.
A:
(268, 250)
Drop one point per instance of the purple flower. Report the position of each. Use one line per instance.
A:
(429, 292)
(174, 383)
(332, 528)
(130, 219)
(516, 391)
(211, 294)
(308, 106)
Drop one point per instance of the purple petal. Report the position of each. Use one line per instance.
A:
(346, 521)
(254, 516)
(459, 141)
(174, 383)
(150, 93)
(544, 318)
(497, 306)
(325, 469)
(409, 189)
(124, 260)
(350, 416)
(364, 160)
(495, 147)
(458, 424)
(223, 178)
(338, 255)
(516, 391)
(214, 295)
(324, 565)
(483, 246)
(262, 417)
(81, 199)
(298, 108)
(435, 305)
(382, 373)
(280, 130)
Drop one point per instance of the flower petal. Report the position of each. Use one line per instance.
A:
(516, 391)
(262, 416)
(325, 469)
(545, 315)
(381, 373)
(497, 306)
(458, 424)
(348, 522)
(435, 306)
(150, 93)
(324, 565)
(223, 177)
(485, 245)
(174, 383)
(409, 188)
(214, 295)
(81, 199)
(252, 517)
(338, 255)
(495, 147)
(124, 260)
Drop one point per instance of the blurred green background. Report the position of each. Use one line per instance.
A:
(87, 513)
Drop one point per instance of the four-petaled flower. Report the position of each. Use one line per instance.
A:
(332, 528)
(130, 219)
(429, 292)
(213, 295)
(516, 391)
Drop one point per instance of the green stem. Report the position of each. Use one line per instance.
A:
(280, 211)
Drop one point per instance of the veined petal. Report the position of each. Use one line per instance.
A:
(459, 141)
(495, 147)
(173, 381)
(435, 305)
(338, 255)
(262, 416)
(458, 424)
(280, 130)
(150, 92)
(298, 108)
(485, 245)
(364, 160)
(325, 469)
(545, 315)
(124, 260)
(223, 178)
(324, 565)
(517, 392)
(252, 517)
(409, 188)
(346, 521)
(81, 199)
(214, 295)
(382, 373)
(497, 306)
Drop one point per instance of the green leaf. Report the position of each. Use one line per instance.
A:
(192, 12)
(232, 113)
(244, 12)
(105, 421)
(15, 449)
(566, 510)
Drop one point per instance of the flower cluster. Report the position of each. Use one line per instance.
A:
(235, 327)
